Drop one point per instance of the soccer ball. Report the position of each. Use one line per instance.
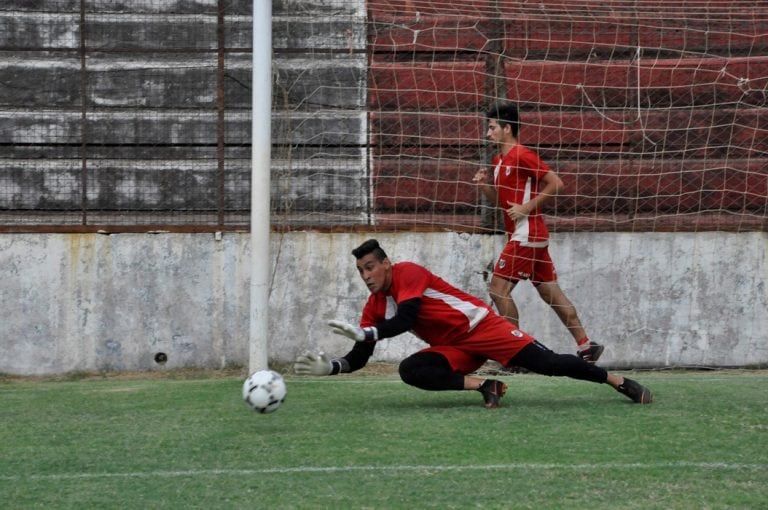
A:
(264, 391)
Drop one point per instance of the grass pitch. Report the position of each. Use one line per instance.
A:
(370, 441)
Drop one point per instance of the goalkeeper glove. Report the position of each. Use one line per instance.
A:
(356, 333)
(312, 364)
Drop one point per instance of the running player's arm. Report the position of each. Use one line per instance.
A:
(482, 179)
(553, 184)
(549, 183)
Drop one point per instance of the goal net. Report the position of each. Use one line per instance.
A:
(653, 113)
(136, 115)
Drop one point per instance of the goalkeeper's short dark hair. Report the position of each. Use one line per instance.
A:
(505, 113)
(370, 246)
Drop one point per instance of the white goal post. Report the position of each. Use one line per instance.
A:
(261, 150)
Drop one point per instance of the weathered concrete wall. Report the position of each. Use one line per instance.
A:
(134, 126)
(95, 302)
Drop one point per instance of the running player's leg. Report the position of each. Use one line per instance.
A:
(544, 278)
(554, 296)
(500, 290)
(511, 264)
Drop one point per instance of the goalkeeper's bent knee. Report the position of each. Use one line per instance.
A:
(430, 371)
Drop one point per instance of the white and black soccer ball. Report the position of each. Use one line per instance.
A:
(264, 391)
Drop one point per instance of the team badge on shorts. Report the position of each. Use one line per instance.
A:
(517, 333)
(502, 263)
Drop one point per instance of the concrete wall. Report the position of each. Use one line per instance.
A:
(91, 302)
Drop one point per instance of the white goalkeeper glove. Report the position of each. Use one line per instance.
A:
(356, 333)
(312, 364)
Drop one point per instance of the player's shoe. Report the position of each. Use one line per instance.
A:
(592, 353)
(636, 391)
(492, 391)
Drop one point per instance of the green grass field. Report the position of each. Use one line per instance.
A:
(370, 441)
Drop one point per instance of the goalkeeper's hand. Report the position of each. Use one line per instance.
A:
(356, 333)
(312, 364)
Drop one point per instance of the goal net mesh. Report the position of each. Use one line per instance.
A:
(136, 115)
(653, 113)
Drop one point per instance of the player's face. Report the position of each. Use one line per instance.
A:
(377, 274)
(495, 131)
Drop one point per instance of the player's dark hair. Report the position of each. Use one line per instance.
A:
(505, 113)
(370, 246)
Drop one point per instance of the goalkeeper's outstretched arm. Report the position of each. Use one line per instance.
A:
(402, 321)
(320, 364)
(365, 341)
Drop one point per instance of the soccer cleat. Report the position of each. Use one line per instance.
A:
(492, 391)
(592, 353)
(636, 391)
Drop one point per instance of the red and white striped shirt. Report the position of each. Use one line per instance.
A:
(516, 176)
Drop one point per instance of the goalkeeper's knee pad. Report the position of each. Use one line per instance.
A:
(429, 371)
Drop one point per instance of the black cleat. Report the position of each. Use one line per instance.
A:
(592, 353)
(492, 391)
(636, 391)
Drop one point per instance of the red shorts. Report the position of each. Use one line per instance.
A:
(518, 262)
(493, 338)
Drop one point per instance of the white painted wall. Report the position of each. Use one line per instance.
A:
(90, 302)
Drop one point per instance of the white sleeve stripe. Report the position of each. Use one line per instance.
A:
(471, 311)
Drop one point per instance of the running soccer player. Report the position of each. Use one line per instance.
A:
(521, 184)
(462, 332)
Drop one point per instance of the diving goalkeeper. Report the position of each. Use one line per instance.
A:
(462, 332)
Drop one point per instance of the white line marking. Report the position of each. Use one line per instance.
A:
(347, 469)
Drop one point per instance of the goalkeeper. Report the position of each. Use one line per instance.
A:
(521, 184)
(461, 330)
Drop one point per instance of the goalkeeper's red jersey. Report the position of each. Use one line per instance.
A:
(447, 315)
(516, 175)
